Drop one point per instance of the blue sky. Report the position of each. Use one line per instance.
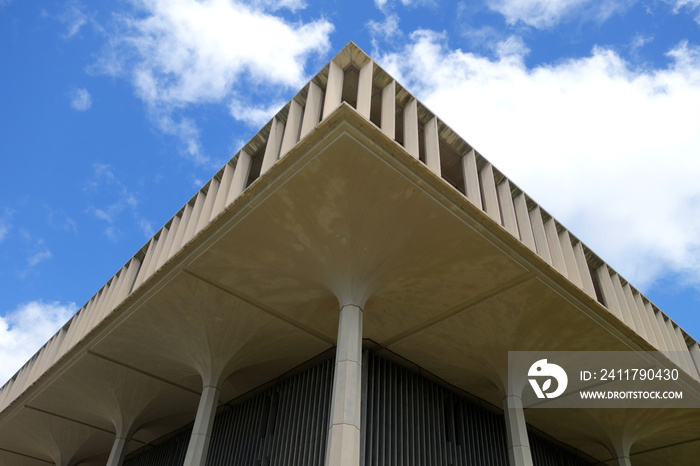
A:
(114, 113)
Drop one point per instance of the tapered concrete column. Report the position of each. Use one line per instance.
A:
(623, 461)
(343, 448)
(201, 432)
(516, 430)
(116, 457)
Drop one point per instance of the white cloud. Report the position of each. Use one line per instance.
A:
(692, 5)
(179, 53)
(609, 150)
(547, 13)
(74, 18)
(274, 5)
(38, 257)
(252, 114)
(81, 99)
(25, 329)
(383, 30)
(40, 254)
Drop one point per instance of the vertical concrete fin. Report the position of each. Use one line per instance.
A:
(584, 271)
(622, 302)
(567, 250)
(334, 89)
(662, 336)
(157, 246)
(695, 355)
(607, 290)
(471, 178)
(132, 267)
(646, 322)
(194, 217)
(208, 206)
(141, 277)
(670, 342)
(684, 353)
(312, 110)
(540, 234)
(292, 128)
(505, 200)
(524, 225)
(488, 191)
(550, 230)
(181, 229)
(432, 146)
(410, 128)
(272, 147)
(636, 316)
(96, 311)
(240, 176)
(364, 89)
(72, 330)
(222, 193)
(173, 232)
(166, 239)
(388, 117)
(115, 298)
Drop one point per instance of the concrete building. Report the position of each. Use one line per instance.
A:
(345, 291)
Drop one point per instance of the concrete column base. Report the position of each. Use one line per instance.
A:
(201, 431)
(516, 430)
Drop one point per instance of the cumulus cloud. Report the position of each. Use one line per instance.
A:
(543, 14)
(80, 99)
(179, 53)
(608, 149)
(25, 329)
(254, 115)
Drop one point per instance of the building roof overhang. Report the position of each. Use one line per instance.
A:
(346, 216)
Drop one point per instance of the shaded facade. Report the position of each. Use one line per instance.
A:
(345, 291)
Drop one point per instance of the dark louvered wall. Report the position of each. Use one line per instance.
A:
(409, 421)
(413, 421)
